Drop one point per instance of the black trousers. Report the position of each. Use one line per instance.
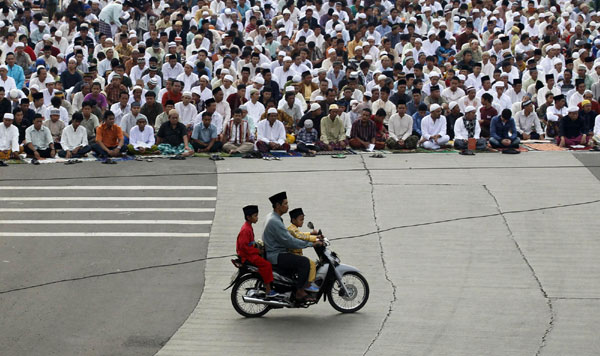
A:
(216, 147)
(102, 153)
(299, 264)
(43, 153)
(83, 150)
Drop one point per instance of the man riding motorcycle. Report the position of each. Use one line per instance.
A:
(278, 241)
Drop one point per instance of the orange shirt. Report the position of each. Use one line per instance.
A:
(109, 137)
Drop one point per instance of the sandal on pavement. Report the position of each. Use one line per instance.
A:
(340, 155)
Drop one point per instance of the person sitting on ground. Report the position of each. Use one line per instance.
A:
(467, 127)
(433, 129)
(307, 139)
(333, 132)
(381, 134)
(271, 134)
(172, 138)
(486, 112)
(572, 129)
(503, 131)
(74, 139)
(110, 141)
(400, 129)
(363, 132)
(297, 220)
(248, 251)
(130, 119)
(528, 123)
(56, 126)
(141, 138)
(236, 135)
(38, 141)
(588, 116)
(204, 136)
(9, 140)
(90, 121)
(554, 114)
(596, 137)
(278, 241)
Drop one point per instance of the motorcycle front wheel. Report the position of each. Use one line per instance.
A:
(241, 288)
(358, 293)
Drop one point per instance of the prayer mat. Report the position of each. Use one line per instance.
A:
(329, 153)
(283, 154)
(441, 150)
(403, 150)
(55, 160)
(545, 147)
(520, 149)
(208, 154)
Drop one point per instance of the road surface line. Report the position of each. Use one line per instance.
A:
(104, 210)
(100, 222)
(107, 234)
(109, 198)
(111, 187)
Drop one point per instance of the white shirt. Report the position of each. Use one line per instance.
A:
(400, 128)
(71, 138)
(187, 113)
(119, 112)
(64, 114)
(450, 95)
(171, 72)
(255, 111)
(461, 133)
(9, 138)
(136, 73)
(141, 138)
(267, 133)
(188, 80)
(527, 123)
(8, 84)
(597, 126)
(430, 128)
(224, 109)
(552, 113)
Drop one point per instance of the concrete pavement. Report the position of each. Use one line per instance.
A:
(117, 314)
(479, 257)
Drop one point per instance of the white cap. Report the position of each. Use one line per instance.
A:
(314, 107)
(290, 89)
(227, 11)
(286, 11)
(434, 107)
(452, 105)
(259, 80)
(573, 109)
(434, 74)
(287, 59)
(228, 77)
(272, 111)
(46, 37)
(42, 23)
(58, 33)
(9, 116)
(330, 51)
(187, 93)
(338, 27)
(281, 53)
(498, 84)
(469, 109)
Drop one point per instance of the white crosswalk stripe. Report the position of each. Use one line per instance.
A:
(108, 211)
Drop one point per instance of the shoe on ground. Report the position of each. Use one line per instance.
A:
(311, 289)
(3, 164)
(34, 161)
(467, 153)
(596, 148)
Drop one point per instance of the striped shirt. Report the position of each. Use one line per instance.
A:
(365, 132)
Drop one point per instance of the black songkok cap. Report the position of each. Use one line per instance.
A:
(549, 76)
(559, 97)
(278, 198)
(250, 209)
(296, 212)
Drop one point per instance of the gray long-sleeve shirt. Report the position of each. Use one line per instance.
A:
(277, 238)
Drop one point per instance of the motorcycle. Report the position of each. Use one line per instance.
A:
(342, 285)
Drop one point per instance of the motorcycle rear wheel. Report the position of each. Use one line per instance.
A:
(359, 293)
(240, 289)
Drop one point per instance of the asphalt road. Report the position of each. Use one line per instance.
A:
(58, 238)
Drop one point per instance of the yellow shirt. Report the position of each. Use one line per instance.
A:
(306, 236)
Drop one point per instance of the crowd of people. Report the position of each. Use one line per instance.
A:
(119, 77)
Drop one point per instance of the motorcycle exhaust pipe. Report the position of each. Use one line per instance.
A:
(273, 303)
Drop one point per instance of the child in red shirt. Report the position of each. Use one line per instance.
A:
(247, 250)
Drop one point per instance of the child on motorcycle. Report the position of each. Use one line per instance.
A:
(297, 219)
(248, 251)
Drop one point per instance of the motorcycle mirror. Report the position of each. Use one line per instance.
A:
(310, 225)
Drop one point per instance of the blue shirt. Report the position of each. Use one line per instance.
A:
(203, 133)
(278, 240)
(417, 122)
(16, 72)
(501, 130)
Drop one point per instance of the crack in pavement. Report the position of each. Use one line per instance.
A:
(381, 254)
(535, 276)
